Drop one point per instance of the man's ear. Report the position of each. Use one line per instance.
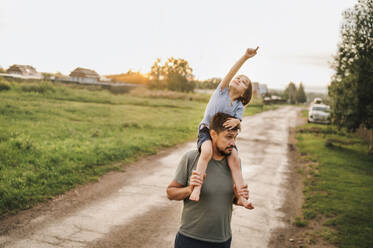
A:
(213, 134)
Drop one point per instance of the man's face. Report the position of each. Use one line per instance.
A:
(225, 141)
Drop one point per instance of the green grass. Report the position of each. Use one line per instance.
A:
(338, 185)
(54, 137)
(299, 222)
(252, 109)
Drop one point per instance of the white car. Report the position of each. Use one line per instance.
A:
(319, 113)
(317, 100)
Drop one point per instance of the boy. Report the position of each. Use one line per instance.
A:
(230, 97)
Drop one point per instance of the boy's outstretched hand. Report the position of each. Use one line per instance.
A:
(250, 52)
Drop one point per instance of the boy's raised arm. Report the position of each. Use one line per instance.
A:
(250, 52)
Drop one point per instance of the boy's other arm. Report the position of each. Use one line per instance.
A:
(232, 123)
(248, 54)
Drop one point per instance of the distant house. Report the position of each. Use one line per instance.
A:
(263, 89)
(104, 79)
(83, 75)
(259, 89)
(273, 100)
(255, 89)
(24, 71)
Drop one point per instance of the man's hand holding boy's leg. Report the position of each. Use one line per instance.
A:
(196, 180)
(243, 193)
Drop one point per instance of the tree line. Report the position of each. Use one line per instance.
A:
(351, 88)
(294, 95)
(174, 74)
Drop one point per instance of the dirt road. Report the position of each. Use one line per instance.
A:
(130, 208)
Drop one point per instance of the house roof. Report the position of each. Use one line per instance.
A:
(22, 69)
(84, 73)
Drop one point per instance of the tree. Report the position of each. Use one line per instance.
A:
(47, 75)
(290, 93)
(211, 83)
(352, 85)
(155, 75)
(178, 66)
(175, 74)
(132, 77)
(301, 95)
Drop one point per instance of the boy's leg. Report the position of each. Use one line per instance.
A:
(234, 165)
(204, 158)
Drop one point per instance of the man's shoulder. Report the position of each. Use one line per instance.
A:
(189, 159)
(192, 154)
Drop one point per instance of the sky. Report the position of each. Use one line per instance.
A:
(296, 38)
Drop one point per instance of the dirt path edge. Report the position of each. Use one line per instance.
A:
(292, 207)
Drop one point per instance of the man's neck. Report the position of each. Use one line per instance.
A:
(215, 154)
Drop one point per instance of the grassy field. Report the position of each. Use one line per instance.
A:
(54, 137)
(338, 186)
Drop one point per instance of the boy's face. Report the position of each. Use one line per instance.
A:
(240, 83)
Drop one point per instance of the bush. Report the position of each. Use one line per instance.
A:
(42, 87)
(4, 85)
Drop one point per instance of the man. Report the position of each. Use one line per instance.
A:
(207, 223)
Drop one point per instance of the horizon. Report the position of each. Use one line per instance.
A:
(294, 45)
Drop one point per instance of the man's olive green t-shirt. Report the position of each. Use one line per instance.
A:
(209, 219)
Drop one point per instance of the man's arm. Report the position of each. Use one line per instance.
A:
(248, 54)
(177, 191)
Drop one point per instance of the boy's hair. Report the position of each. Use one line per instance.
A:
(246, 97)
(217, 121)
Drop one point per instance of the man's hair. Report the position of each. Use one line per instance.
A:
(217, 121)
(246, 97)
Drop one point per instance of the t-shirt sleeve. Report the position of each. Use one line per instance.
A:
(181, 175)
(220, 90)
(239, 112)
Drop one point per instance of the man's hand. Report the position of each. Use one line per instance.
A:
(250, 52)
(231, 123)
(196, 179)
(244, 191)
(177, 191)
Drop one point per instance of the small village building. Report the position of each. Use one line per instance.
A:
(83, 75)
(259, 89)
(105, 79)
(255, 86)
(263, 89)
(24, 71)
